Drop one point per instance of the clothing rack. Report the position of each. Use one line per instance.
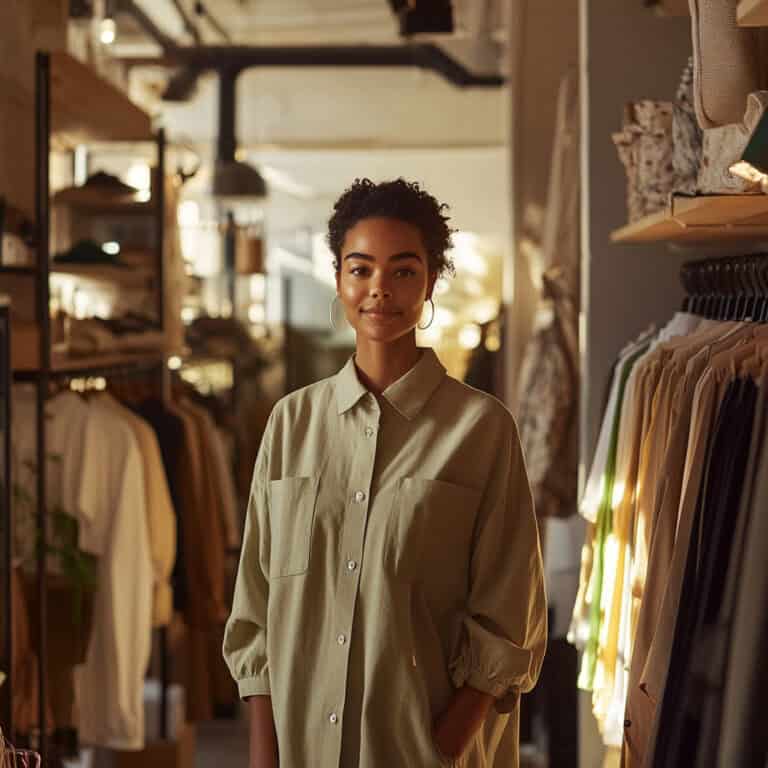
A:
(732, 288)
(125, 122)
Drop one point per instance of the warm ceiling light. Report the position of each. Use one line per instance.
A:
(107, 30)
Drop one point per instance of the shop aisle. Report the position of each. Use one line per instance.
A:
(225, 743)
(222, 743)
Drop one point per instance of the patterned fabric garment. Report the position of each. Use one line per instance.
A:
(549, 402)
(687, 136)
(645, 148)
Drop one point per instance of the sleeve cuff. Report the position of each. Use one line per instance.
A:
(504, 680)
(254, 686)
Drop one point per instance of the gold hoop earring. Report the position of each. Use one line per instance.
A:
(430, 319)
(332, 313)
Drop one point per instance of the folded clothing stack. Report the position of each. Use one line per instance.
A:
(645, 146)
(129, 333)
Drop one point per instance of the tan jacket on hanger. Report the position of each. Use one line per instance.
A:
(203, 566)
(707, 397)
(209, 550)
(684, 370)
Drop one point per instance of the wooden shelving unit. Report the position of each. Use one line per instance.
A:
(701, 219)
(74, 105)
(752, 13)
(85, 107)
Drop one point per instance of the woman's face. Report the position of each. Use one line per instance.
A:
(384, 278)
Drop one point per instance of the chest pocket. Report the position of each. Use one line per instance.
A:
(291, 515)
(431, 526)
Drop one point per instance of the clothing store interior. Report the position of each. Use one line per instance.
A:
(167, 173)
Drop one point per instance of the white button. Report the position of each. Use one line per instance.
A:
(369, 431)
(341, 639)
(351, 565)
(360, 497)
(334, 718)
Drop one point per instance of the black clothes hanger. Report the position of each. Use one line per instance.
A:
(727, 289)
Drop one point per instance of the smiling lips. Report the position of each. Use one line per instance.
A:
(377, 313)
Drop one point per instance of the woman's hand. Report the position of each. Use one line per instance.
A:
(263, 752)
(457, 726)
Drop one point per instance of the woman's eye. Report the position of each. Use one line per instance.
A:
(358, 271)
(405, 272)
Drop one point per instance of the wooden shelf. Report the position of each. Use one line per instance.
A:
(752, 13)
(85, 107)
(99, 201)
(701, 219)
(105, 273)
(94, 364)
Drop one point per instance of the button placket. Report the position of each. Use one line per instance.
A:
(359, 496)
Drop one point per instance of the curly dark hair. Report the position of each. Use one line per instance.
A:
(398, 199)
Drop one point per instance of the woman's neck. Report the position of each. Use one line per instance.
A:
(379, 365)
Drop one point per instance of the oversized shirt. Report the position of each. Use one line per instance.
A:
(390, 556)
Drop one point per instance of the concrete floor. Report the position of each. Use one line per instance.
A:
(224, 744)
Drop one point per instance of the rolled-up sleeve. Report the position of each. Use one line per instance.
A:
(504, 630)
(245, 635)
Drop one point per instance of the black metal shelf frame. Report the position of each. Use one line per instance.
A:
(7, 520)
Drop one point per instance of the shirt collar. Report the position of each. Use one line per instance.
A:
(408, 395)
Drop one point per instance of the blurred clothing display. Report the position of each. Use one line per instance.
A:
(670, 495)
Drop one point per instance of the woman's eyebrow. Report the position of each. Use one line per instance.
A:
(395, 257)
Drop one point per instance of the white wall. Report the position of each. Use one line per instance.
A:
(628, 53)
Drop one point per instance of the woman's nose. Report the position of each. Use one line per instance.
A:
(380, 292)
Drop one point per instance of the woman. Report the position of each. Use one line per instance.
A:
(389, 606)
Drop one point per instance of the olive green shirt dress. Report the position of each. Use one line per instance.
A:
(390, 556)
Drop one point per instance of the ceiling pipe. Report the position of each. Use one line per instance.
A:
(421, 55)
(426, 56)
